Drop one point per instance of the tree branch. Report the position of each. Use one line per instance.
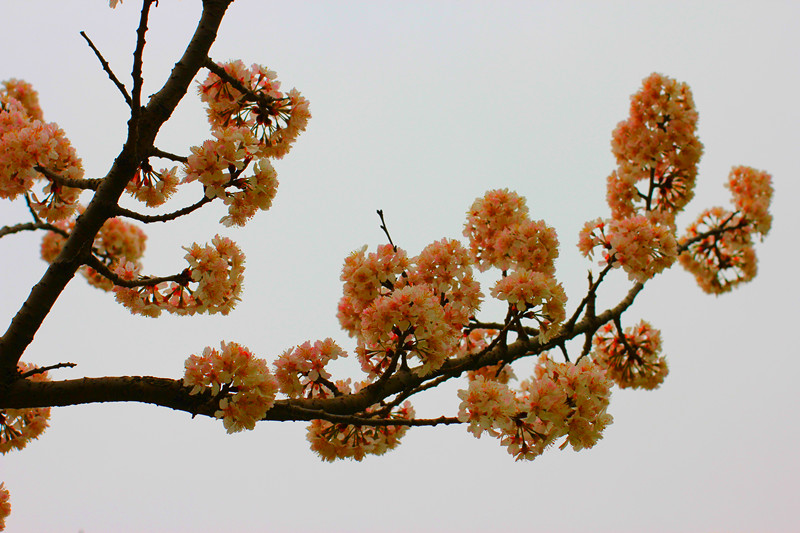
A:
(107, 68)
(147, 219)
(86, 184)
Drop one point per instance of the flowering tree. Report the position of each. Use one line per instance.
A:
(414, 318)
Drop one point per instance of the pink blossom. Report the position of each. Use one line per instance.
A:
(640, 245)
(720, 261)
(366, 277)
(301, 371)
(332, 441)
(641, 368)
(233, 369)
(658, 147)
(5, 506)
(446, 267)
(535, 295)
(408, 321)
(752, 193)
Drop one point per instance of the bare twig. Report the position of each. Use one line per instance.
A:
(43, 369)
(107, 68)
(122, 212)
(385, 229)
(155, 152)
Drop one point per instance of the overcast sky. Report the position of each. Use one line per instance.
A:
(418, 108)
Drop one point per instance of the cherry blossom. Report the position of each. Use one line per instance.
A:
(536, 296)
(633, 360)
(5, 506)
(151, 187)
(641, 246)
(301, 371)
(233, 369)
(656, 145)
(217, 269)
(367, 276)
(409, 321)
(333, 440)
(752, 193)
(722, 259)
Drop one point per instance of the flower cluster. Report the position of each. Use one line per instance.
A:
(24, 93)
(719, 251)
(366, 277)
(534, 295)
(20, 426)
(333, 440)
(411, 321)
(502, 236)
(242, 381)
(752, 193)
(5, 506)
(275, 118)
(27, 143)
(217, 269)
(151, 187)
(446, 267)
(562, 399)
(633, 358)
(656, 145)
(642, 247)
(301, 371)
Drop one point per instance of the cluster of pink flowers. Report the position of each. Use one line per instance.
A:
(20, 426)
(332, 440)
(446, 267)
(720, 261)
(502, 236)
(5, 506)
(26, 142)
(642, 247)
(409, 320)
(301, 371)
(243, 381)
(656, 145)
(218, 270)
(634, 361)
(535, 295)
(220, 164)
(366, 277)
(752, 193)
(562, 399)
(151, 187)
(275, 118)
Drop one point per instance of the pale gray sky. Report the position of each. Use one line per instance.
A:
(419, 107)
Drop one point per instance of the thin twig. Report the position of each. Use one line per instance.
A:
(155, 152)
(315, 414)
(107, 68)
(386, 230)
(147, 219)
(43, 369)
